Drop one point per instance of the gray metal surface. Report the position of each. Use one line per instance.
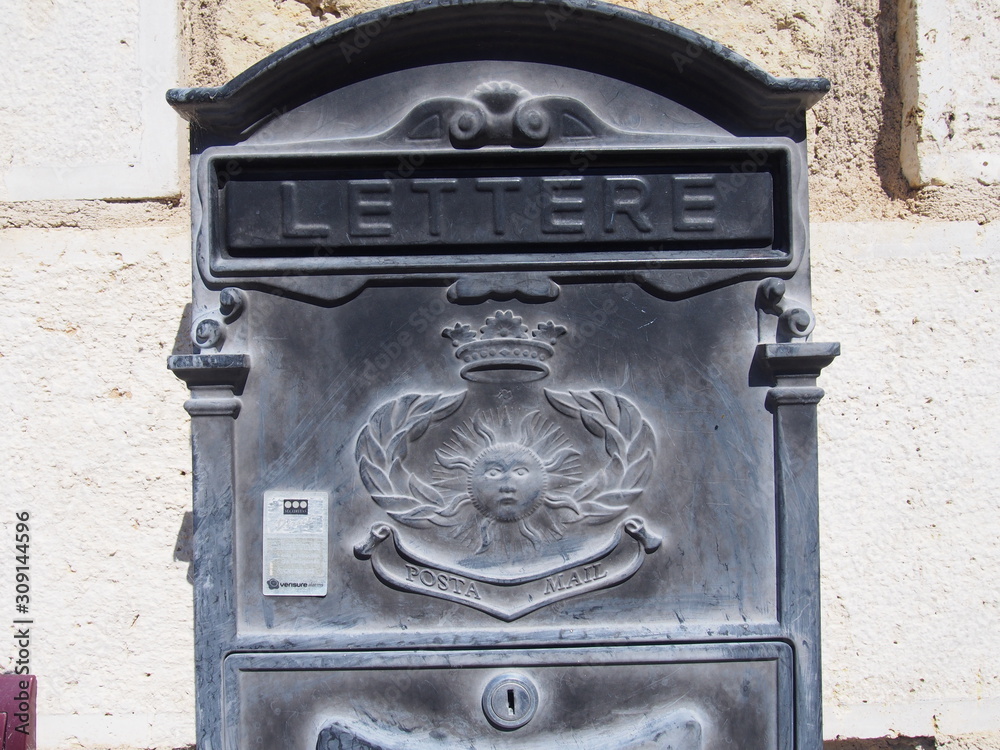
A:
(530, 332)
(685, 697)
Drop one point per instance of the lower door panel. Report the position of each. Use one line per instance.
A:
(684, 697)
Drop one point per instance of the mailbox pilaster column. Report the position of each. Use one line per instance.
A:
(214, 380)
(793, 401)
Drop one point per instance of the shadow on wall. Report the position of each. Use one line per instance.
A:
(888, 145)
(184, 552)
(182, 340)
(883, 743)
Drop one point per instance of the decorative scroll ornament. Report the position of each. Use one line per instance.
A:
(502, 286)
(499, 113)
(795, 320)
(507, 510)
(208, 332)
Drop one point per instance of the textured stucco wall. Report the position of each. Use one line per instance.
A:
(83, 114)
(94, 448)
(909, 439)
(951, 117)
(94, 439)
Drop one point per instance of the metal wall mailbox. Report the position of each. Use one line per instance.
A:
(503, 390)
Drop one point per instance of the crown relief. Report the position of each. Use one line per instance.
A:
(504, 349)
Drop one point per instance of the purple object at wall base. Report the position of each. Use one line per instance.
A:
(17, 707)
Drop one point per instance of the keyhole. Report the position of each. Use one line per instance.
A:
(509, 701)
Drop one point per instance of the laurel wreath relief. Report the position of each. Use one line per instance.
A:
(628, 441)
(383, 445)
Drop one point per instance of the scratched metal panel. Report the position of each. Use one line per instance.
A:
(684, 697)
(693, 467)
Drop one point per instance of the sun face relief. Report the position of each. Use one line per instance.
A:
(507, 481)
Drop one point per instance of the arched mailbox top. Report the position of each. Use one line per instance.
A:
(504, 147)
(636, 48)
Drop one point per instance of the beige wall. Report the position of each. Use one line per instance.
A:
(906, 257)
(83, 114)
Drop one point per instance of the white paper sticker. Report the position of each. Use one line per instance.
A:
(295, 543)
